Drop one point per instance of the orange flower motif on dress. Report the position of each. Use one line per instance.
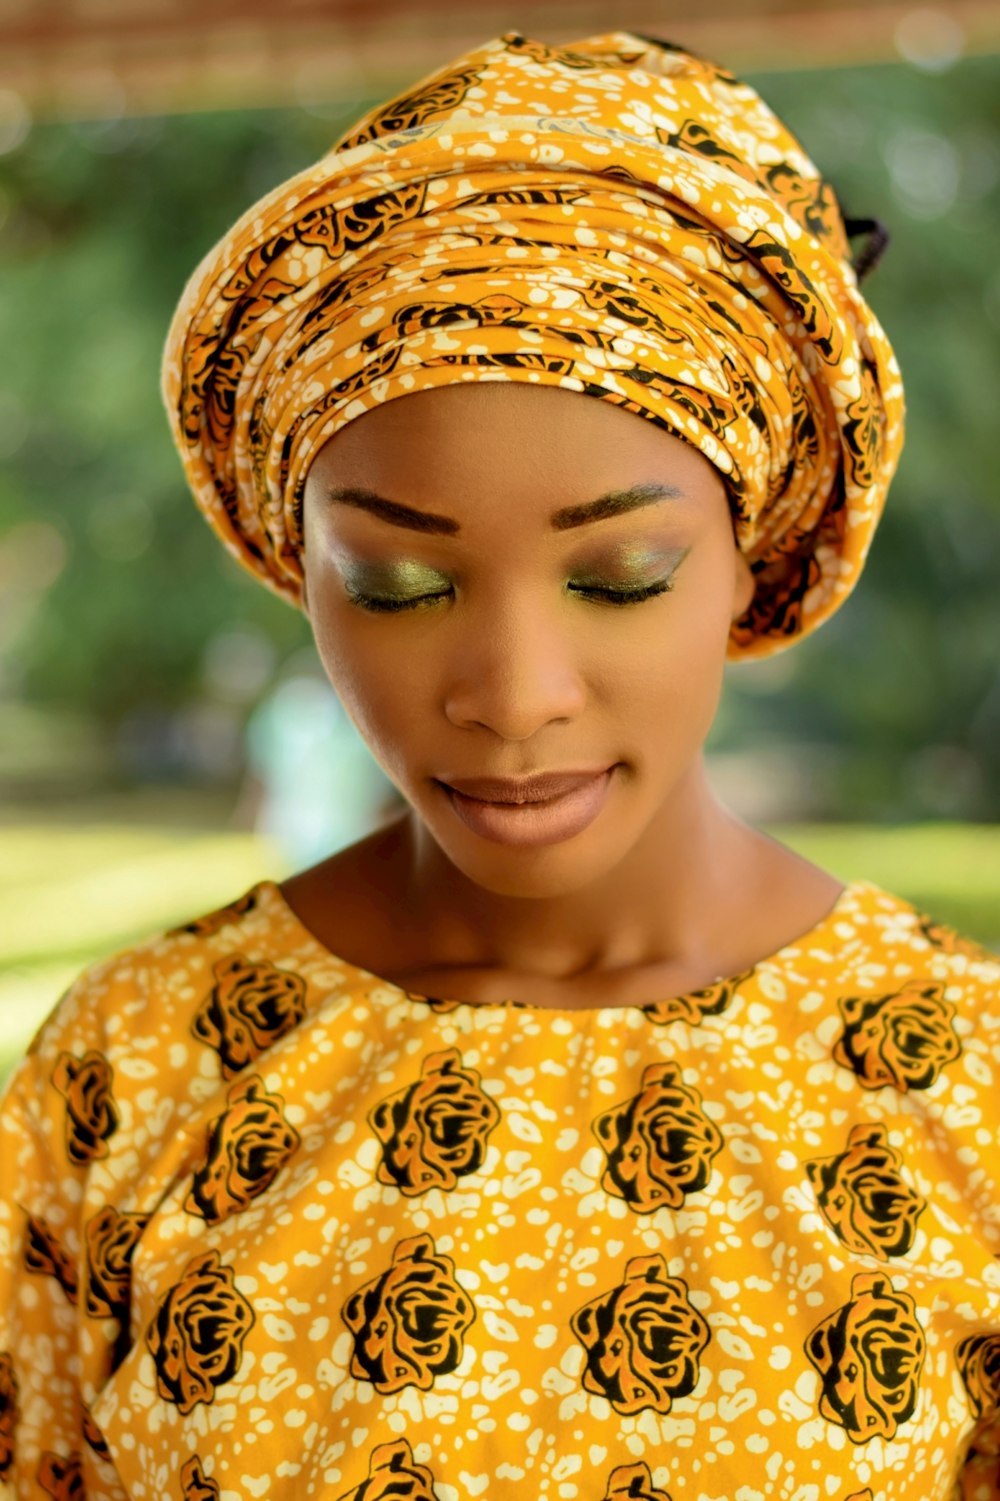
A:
(91, 1113)
(197, 1335)
(644, 1339)
(870, 1353)
(195, 1486)
(110, 1238)
(248, 1145)
(904, 1039)
(60, 1478)
(393, 1475)
(436, 1130)
(44, 1253)
(863, 1196)
(978, 1360)
(409, 1322)
(660, 1144)
(696, 1004)
(8, 1413)
(632, 1483)
(252, 1004)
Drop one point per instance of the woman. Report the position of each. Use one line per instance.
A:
(567, 1137)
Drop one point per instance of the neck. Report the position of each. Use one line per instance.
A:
(670, 899)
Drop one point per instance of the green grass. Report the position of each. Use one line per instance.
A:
(75, 892)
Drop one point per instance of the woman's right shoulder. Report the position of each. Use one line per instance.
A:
(142, 1010)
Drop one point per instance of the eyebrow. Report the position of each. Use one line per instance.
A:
(614, 503)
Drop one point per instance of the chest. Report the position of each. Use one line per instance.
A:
(627, 1241)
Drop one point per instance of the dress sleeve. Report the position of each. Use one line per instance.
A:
(56, 1115)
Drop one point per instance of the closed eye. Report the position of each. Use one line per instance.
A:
(607, 595)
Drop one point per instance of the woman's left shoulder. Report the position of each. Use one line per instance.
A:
(913, 933)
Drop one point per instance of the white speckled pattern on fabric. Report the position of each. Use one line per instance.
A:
(271, 1226)
(615, 217)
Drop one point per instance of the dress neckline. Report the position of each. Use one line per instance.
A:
(847, 900)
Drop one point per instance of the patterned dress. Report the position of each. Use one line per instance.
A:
(272, 1226)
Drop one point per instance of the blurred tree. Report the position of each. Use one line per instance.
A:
(115, 590)
(105, 221)
(909, 671)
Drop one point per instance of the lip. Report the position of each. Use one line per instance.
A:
(539, 788)
(531, 824)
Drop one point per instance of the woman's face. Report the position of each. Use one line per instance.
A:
(507, 658)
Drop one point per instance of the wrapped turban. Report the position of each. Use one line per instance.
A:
(616, 217)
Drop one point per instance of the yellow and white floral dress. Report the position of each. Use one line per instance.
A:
(271, 1226)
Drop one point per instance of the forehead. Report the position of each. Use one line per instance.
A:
(506, 437)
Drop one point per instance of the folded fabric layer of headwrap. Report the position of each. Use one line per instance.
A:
(616, 217)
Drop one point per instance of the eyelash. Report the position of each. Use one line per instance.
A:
(616, 597)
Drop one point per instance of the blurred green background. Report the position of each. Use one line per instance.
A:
(135, 654)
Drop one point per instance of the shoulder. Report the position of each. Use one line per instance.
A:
(154, 1028)
(116, 997)
(915, 994)
(903, 930)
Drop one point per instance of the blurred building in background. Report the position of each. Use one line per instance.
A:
(74, 59)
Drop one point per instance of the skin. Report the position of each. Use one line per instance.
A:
(667, 889)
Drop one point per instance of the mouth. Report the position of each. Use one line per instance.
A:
(540, 820)
(517, 791)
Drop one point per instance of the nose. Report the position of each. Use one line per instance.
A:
(516, 669)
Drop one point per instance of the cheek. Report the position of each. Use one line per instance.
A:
(334, 623)
(364, 672)
(678, 697)
(674, 684)
(688, 632)
(707, 598)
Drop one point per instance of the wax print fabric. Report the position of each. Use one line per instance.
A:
(272, 1226)
(616, 217)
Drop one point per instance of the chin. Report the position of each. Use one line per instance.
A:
(552, 870)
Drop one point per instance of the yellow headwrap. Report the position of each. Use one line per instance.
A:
(616, 217)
